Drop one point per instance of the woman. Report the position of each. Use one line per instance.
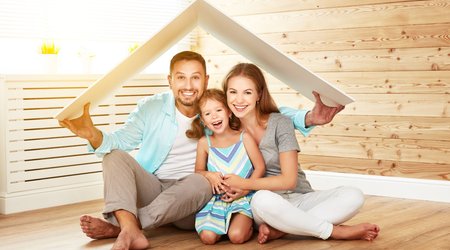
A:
(291, 206)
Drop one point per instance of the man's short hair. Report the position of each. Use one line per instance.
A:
(187, 55)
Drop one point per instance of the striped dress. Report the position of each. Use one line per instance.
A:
(216, 214)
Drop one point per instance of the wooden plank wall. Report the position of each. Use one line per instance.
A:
(392, 56)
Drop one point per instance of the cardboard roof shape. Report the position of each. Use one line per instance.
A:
(226, 30)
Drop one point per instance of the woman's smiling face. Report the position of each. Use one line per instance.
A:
(242, 96)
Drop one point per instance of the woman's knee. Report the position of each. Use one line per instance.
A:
(208, 237)
(354, 197)
(263, 200)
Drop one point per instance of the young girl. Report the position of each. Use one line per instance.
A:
(225, 151)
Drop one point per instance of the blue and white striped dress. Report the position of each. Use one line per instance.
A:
(216, 214)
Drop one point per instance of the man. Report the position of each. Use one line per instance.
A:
(159, 186)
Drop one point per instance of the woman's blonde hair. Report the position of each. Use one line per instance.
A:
(266, 104)
(197, 128)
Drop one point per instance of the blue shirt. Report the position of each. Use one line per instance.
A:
(152, 126)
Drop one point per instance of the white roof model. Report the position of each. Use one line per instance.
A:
(202, 14)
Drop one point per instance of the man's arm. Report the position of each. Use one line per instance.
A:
(304, 121)
(127, 138)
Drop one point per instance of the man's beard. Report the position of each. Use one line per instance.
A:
(187, 102)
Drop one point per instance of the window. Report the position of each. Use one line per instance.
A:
(93, 36)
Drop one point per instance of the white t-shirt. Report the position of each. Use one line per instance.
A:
(181, 159)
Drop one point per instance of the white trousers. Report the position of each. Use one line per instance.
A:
(310, 214)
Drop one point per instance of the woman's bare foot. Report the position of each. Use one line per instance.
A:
(267, 233)
(96, 228)
(131, 238)
(363, 231)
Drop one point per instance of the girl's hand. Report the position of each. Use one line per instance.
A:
(233, 194)
(216, 181)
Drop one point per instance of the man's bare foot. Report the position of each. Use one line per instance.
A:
(96, 228)
(131, 238)
(363, 231)
(267, 233)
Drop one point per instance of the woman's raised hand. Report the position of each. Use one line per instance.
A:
(321, 114)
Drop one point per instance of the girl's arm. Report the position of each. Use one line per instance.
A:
(287, 180)
(214, 178)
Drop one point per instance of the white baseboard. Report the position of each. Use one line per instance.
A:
(408, 188)
(50, 197)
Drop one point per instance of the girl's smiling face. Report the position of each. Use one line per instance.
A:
(215, 116)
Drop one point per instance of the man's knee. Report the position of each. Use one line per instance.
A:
(198, 180)
(113, 157)
(187, 223)
(200, 184)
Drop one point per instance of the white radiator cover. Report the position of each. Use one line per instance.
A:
(43, 164)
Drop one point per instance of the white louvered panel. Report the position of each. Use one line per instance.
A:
(54, 162)
(124, 98)
(46, 153)
(39, 174)
(44, 133)
(4, 137)
(43, 93)
(58, 83)
(141, 91)
(65, 95)
(55, 182)
(81, 81)
(41, 154)
(37, 103)
(49, 113)
(52, 123)
(129, 99)
(35, 134)
(44, 143)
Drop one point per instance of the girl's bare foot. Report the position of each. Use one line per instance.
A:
(267, 233)
(363, 231)
(130, 239)
(96, 228)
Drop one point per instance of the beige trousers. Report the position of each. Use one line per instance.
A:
(155, 202)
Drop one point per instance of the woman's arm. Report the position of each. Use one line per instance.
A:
(287, 180)
(214, 178)
(255, 156)
(304, 121)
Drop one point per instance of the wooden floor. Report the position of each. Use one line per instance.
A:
(405, 224)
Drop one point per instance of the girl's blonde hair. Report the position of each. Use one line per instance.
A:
(266, 104)
(197, 128)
